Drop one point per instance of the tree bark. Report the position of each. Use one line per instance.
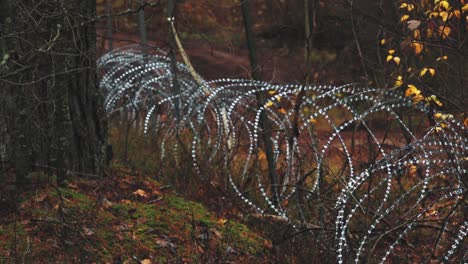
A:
(53, 108)
(264, 121)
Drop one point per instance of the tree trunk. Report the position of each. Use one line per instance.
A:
(264, 121)
(52, 108)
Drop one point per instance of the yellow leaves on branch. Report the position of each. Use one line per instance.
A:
(404, 18)
(415, 94)
(418, 47)
(398, 81)
(433, 100)
(390, 57)
(465, 8)
(442, 58)
(425, 71)
(408, 7)
(441, 118)
(443, 5)
(444, 31)
(444, 15)
(412, 90)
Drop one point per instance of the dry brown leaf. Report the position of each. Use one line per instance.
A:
(141, 193)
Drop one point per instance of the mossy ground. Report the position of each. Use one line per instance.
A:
(121, 219)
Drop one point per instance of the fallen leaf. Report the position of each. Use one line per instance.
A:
(141, 193)
(106, 203)
(222, 221)
(87, 231)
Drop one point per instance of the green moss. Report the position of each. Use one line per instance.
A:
(81, 200)
(128, 228)
(240, 237)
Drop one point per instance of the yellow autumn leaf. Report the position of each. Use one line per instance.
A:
(410, 7)
(445, 57)
(445, 31)
(278, 97)
(423, 72)
(269, 104)
(456, 13)
(404, 18)
(313, 120)
(391, 52)
(382, 42)
(441, 117)
(412, 91)
(432, 71)
(436, 101)
(398, 81)
(389, 58)
(444, 4)
(403, 5)
(465, 8)
(417, 47)
(417, 98)
(282, 110)
(416, 34)
(443, 15)
(396, 60)
(271, 92)
(433, 15)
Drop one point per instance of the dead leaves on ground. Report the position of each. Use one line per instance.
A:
(121, 218)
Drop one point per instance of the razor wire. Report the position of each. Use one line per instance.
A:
(355, 150)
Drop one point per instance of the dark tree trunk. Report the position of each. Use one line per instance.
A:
(51, 108)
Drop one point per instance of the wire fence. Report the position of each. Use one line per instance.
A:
(386, 173)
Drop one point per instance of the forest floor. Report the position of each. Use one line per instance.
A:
(121, 218)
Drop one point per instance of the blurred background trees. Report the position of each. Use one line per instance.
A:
(349, 40)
